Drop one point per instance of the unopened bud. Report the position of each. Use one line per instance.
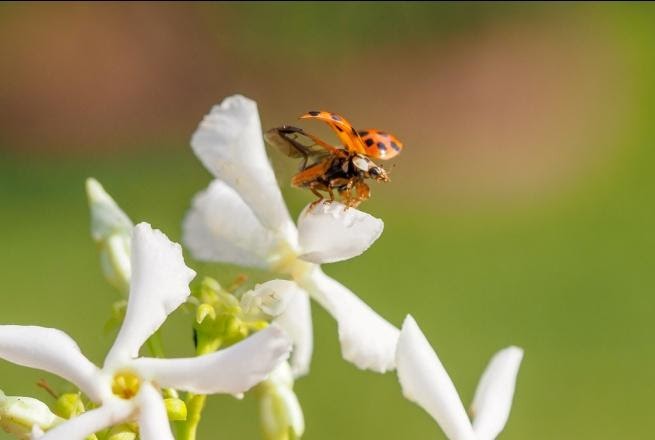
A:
(176, 409)
(203, 311)
(280, 412)
(122, 432)
(69, 405)
(111, 228)
(21, 416)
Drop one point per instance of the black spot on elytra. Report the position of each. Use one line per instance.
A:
(335, 117)
(395, 146)
(381, 146)
(314, 113)
(368, 142)
(363, 133)
(339, 128)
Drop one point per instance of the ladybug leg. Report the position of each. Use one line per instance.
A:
(339, 183)
(329, 189)
(344, 185)
(349, 200)
(345, 196)
(363, 193)
(315, 187)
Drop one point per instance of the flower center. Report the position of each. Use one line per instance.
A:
(125, 384)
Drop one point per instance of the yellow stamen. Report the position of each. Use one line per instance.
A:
(125, 384)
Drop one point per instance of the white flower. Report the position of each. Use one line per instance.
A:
(242, 219)
(268, 300)
(424, 380)
(126, 387)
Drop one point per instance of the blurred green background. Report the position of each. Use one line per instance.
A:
(521, 211)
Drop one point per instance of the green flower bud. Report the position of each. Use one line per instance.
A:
(205, 311)
(69, 405)
(209, 284)
(207, 290)
(176, 409)
(122, 432)
(19, 414)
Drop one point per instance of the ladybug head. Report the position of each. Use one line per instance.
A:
(369, 168)
(378, 173)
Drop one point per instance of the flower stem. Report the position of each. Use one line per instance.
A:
(195, 403)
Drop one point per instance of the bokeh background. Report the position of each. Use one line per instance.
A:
(521, 211)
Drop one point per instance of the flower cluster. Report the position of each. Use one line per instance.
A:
(259, 339)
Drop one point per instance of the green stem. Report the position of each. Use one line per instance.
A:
(195, 403)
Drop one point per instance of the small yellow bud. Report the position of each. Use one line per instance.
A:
(203, 311)
(69, 405)
(176, 409)
(122, 432)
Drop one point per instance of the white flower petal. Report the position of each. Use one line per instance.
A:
(296, 321)
(107, 218)
(80, 427)
(424, 381)
(221, 227)
(50, 350)
(331, 232)
(230, 143)
(160, 283)
(153, 420)
(493, 397)
(233, 370)
(270, 298)
(367, 339)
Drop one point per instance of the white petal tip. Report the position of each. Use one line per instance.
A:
(164, 246)
(107, 218)
(94, 189)
(513, 351)
(229, 143)
(330, 232)
(494, 395)
(409, 329)
(424, 380)
(96, 194)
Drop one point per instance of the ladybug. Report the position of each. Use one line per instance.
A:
(343, 168)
